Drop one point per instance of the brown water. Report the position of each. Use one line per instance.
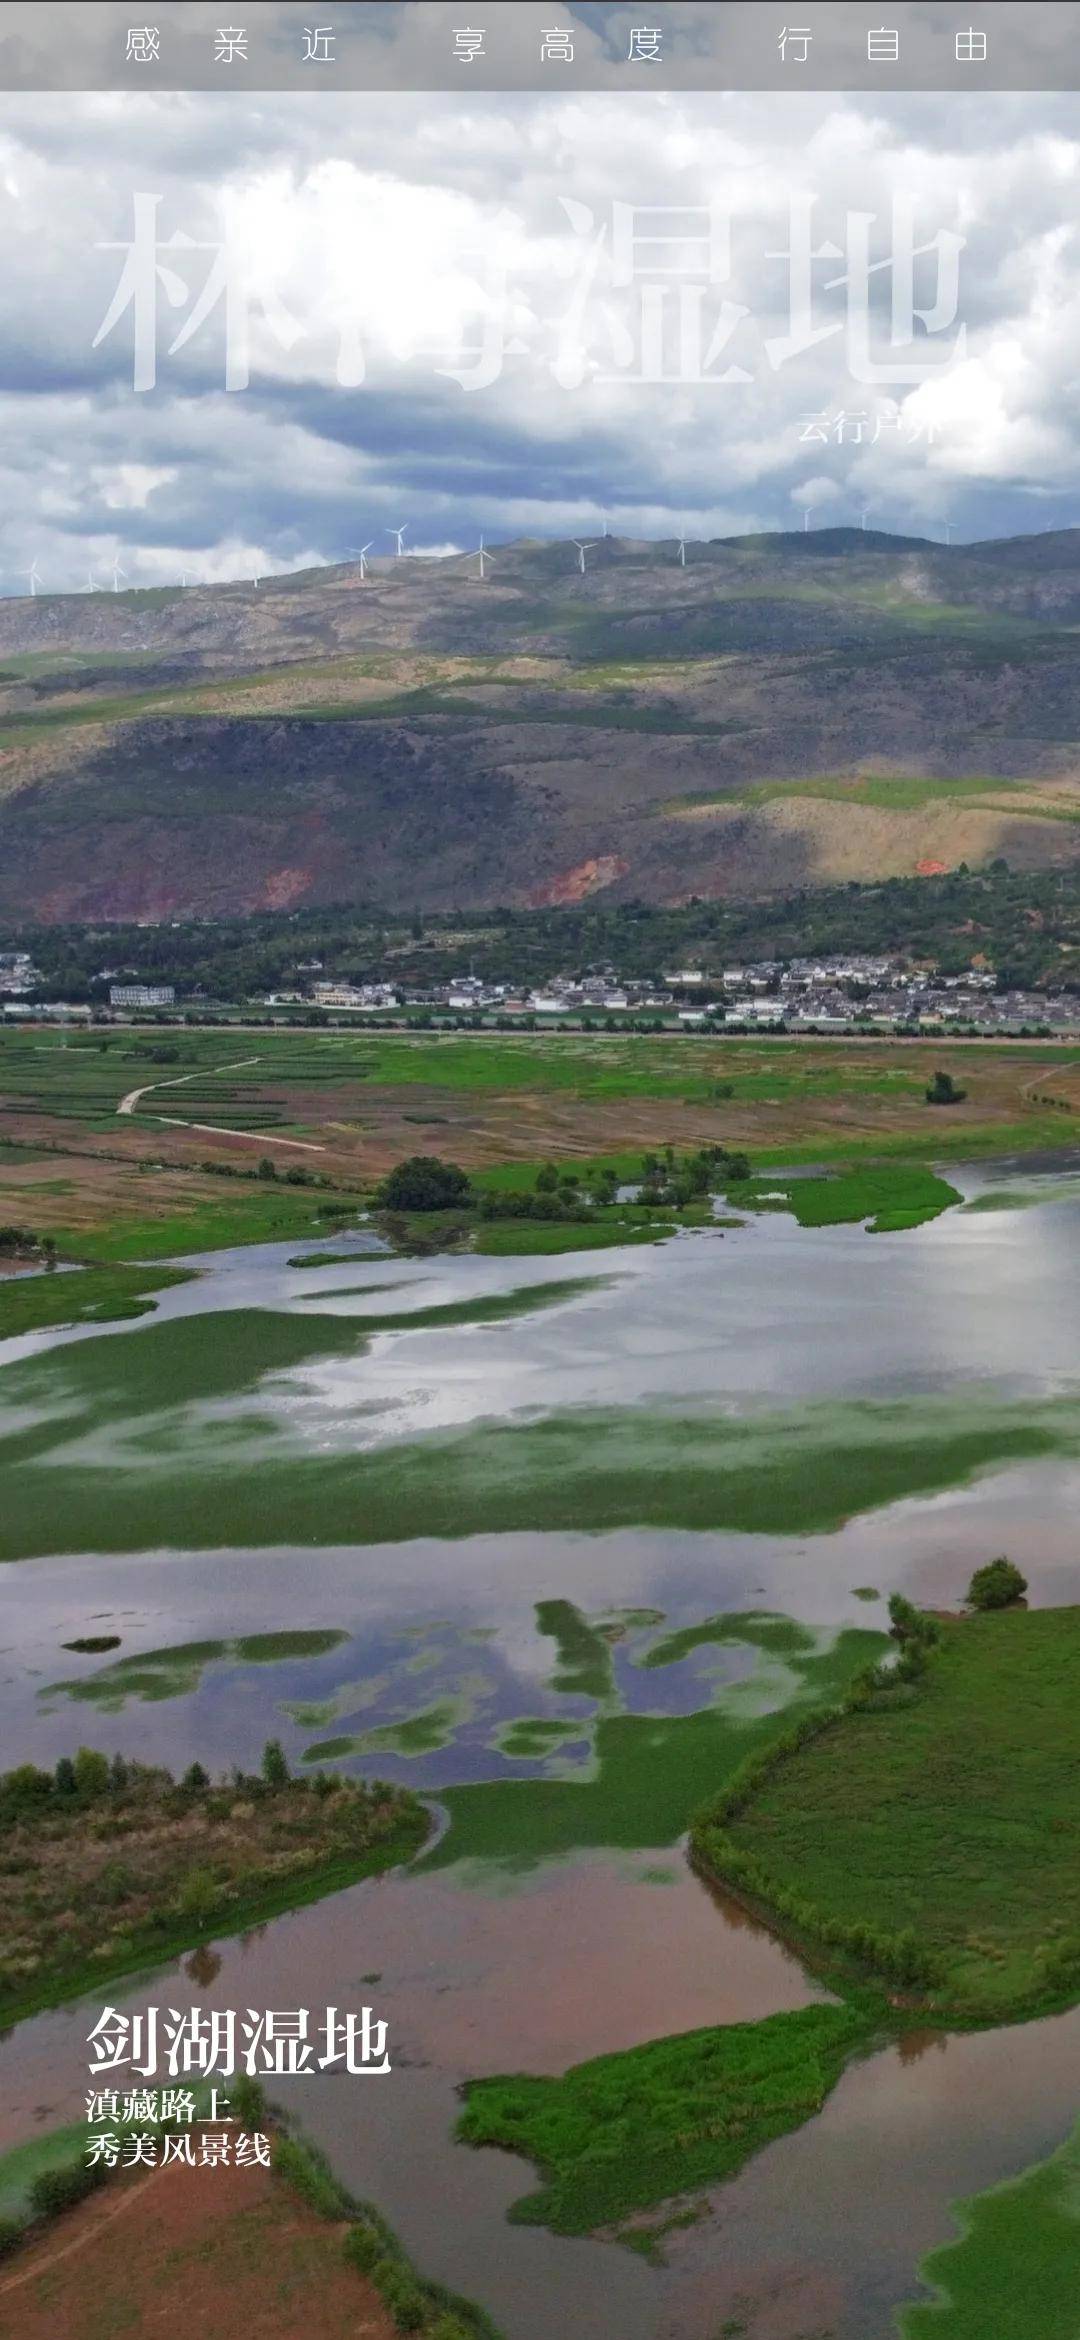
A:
(586, 1957)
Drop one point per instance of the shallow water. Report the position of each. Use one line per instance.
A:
(780, 1334)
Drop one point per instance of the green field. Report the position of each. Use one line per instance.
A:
(84, 1078)
(947, 1805)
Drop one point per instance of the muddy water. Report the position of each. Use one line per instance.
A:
(488, 1970)
(821, 2232)
(589, 1956)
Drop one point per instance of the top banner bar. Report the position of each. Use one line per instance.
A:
(464, 46)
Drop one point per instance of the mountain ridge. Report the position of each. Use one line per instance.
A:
(776, 712)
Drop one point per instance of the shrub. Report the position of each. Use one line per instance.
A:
(91, 1772)
(306, 2171)
(59, 2189)
(363, 2248)
(247, 2101)
(27, 1785)
(115, 1885)
(401, 2294)
(910, 1626)
(12, 2231)
(942, 1090)
(997, 1585)
(198, 1896)
(195, 1778)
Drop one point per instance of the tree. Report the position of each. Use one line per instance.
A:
(91, 1772)
(27, 1784)
(547, 1179)
(267, 1169)
(195, 1778)
(997, 1585)
(275, 1770)
(424, 1183)
(942, 1090)
(64, 1776)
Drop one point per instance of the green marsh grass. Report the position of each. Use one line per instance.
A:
(947, 1805)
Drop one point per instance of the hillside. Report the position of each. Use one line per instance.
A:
(780, 711)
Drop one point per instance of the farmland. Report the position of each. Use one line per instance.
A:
(336, 1110)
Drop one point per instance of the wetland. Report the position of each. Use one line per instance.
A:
(559, 1552)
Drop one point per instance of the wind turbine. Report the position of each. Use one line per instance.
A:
(481, 556)
(865, 516)
(91, 584)
(117, 573)
(34, 575)
(359, 552)
(582, 549)
(806, 521)
(681, 552)
(399, 533)
(948, 531)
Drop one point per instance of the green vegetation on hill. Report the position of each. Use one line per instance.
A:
(1026, 922)
(936, 1811)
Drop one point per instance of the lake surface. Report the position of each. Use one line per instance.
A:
(582, 1527)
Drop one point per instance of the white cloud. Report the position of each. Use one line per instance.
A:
(384, 227)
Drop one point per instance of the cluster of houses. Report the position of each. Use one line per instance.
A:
(838, 992)
(19, 977)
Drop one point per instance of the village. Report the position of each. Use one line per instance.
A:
(840, 992)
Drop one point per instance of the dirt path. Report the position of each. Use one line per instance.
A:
(134, 1096)
(42, 2261)
(1027, 1087)
(258, 1137)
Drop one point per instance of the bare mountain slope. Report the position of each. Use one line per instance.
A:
(779, 711)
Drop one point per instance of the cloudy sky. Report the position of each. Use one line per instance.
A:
(449, 317)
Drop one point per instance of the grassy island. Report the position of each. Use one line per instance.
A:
(616, 2135)
(105, 1865)
(929, 1828)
